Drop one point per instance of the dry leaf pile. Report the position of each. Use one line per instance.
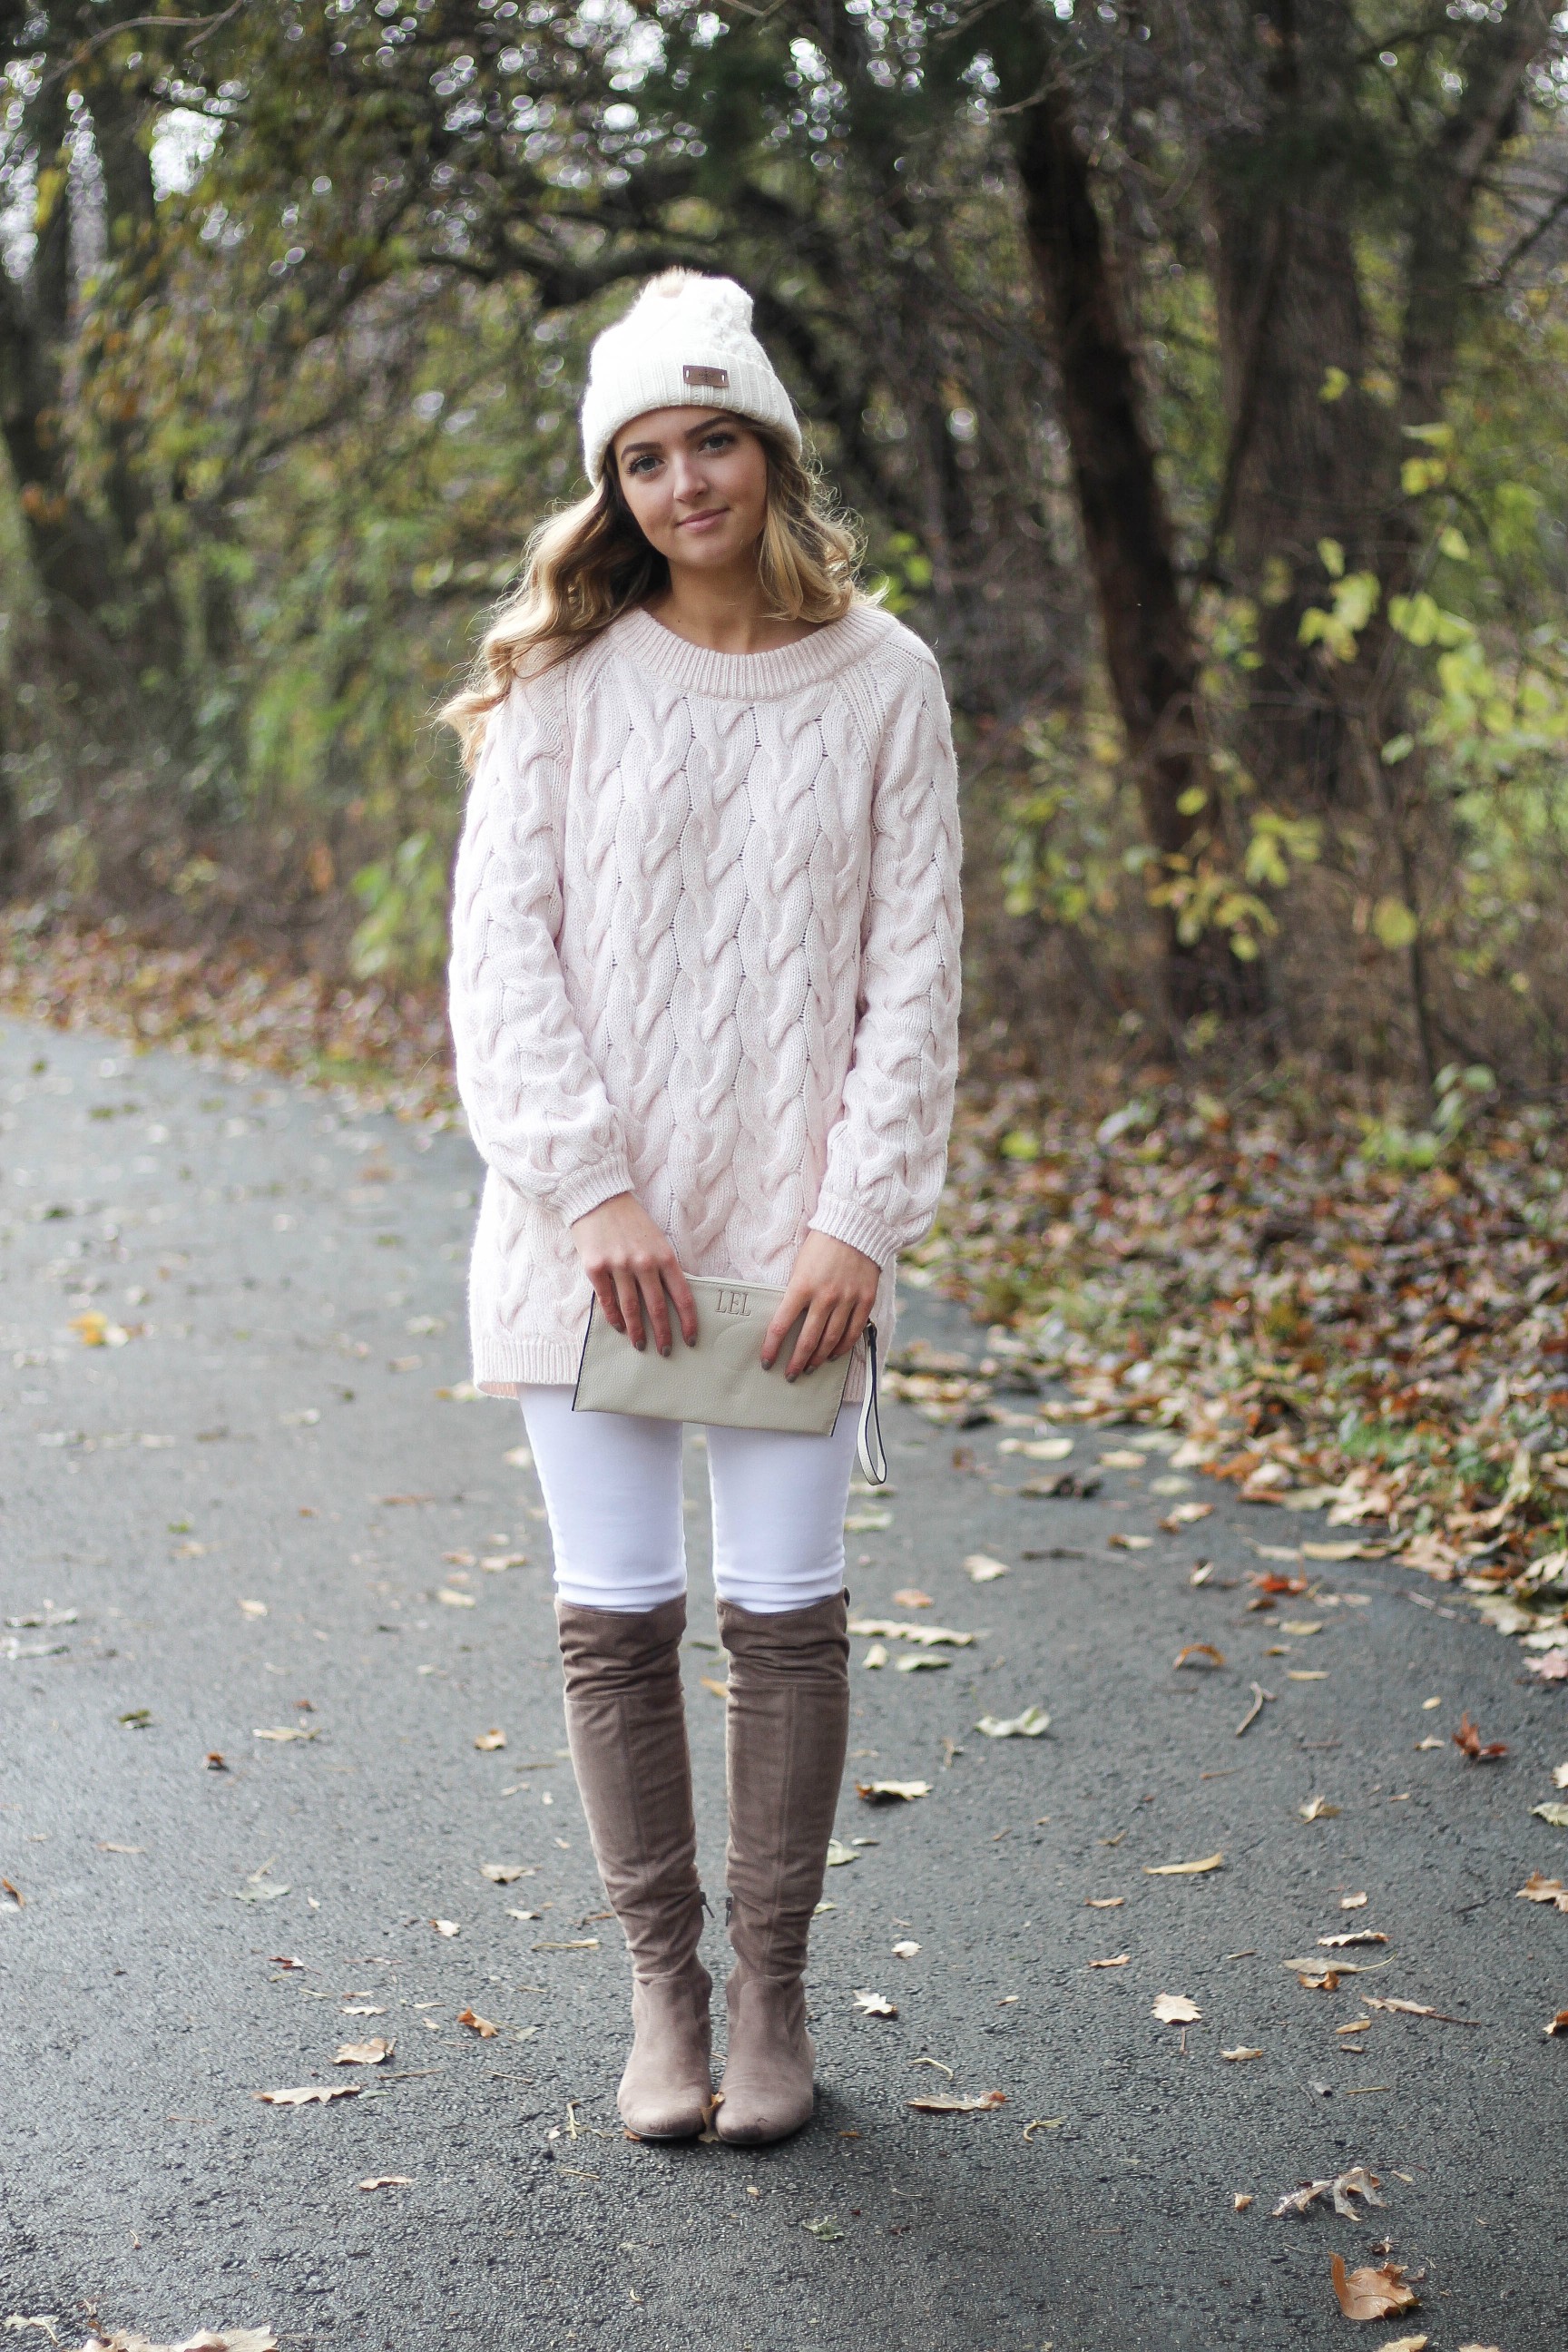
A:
(1324, 1331)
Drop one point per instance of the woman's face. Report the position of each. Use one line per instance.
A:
(696, 482)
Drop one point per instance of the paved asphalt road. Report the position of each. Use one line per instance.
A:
(266, 1515)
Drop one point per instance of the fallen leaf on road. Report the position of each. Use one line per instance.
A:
(1553, 1667)
(1176, 2008)
(1371, 2294)
(826, 2227)
(1469, 1738)
(317, 2094)
(1405, 2344)
(496, 1563)
(387, 2180)
(1120, 1961)
(718, 1689)
(503, 1873)
(480, 2025)
(1129, 1543)
(1556, 1814)
(1418, 2009)
(876, 1655)
(980, 1568)
(1298, 1628)
(374, 2053)
(1423, 1744)
(1185, 1515)
(1030, 1725)
(1260, 1699)
(579, 1944)
(284, 1731)
(365, 2008)
(1123, 1458)
(1560, 1775)
(941, 2105)
(1103, 1902)
(875, 2004)
(1356, 1936)
(910, 1597)
(1196, 1651)
(1537, 1889)
(254, 1608)
(446, 1926)
(1344, 2186)
(454, 1600)
(1238, 2056)
(1558, 2024)
(234, 2339)
(1316, 1809)
(838, 1853)
(922, 1663)
(891, 1792)
(893, 1629)
(905, 1951)
(489, 1740)
(107, 1845)
(1242, 2200)
(1306, 1673)
(1353, 1902)
(1037, 1449)
(260, 1890)
(1182, 1869)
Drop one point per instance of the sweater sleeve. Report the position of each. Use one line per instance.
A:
(537, 1108)
(887, 1153)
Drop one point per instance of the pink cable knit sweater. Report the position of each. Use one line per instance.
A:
(705, 948)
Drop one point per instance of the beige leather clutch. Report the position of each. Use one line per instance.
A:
(721, 1381)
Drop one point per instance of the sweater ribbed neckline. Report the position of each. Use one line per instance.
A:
(747, 677)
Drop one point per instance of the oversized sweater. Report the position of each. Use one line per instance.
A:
(705, 950)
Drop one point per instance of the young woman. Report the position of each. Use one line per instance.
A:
(704, 993)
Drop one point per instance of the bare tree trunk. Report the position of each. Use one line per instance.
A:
(1308, 451)
(1149, 647)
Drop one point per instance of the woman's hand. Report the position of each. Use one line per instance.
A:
(631, 1265)
(837, 1284)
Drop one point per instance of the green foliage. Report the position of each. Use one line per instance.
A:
(1457, 1094)
(404, 926)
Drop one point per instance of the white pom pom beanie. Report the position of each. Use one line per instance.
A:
(687, 341)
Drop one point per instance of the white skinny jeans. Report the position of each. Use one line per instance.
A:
(613, 1489)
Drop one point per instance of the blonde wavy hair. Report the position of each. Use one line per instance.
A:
(589, 563)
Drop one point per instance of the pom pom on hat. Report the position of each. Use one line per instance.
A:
(685, 342)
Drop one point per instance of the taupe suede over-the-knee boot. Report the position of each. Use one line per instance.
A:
(788, 1725)
(626, 1721)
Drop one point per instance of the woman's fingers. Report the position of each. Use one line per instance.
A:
(785, 1314)
(679, 1289)
(630, 1301)
(812, 1348)
(603, 1284)
(650, 1282)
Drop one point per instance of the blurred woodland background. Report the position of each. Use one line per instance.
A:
(1198, 369)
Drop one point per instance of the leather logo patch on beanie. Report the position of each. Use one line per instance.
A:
(717, 378)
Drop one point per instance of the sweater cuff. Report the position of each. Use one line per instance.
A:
(851, 1221)
(592, 1186)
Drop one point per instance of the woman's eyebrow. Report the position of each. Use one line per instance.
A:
(704, 424)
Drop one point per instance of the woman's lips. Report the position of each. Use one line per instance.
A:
(696, 522)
